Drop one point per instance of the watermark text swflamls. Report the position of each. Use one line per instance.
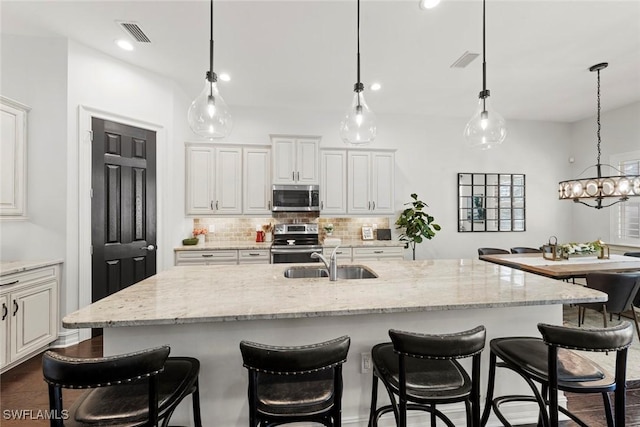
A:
(34, 414)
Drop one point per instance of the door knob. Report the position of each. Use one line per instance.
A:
(148, 248)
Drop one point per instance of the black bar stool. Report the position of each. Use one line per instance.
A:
(134, 389)
(295, 384)
(551, 363)
(525, 250)
(422, 371)
(492, 251)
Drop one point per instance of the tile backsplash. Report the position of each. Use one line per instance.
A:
(244, 229)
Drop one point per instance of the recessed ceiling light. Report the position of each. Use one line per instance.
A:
(124, 44)
(428, 4)
(375, 86)
(224, 77)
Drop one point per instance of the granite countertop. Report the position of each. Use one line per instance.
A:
(243, 244)
(10, 267)
(222, 293)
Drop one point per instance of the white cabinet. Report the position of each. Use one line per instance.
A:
(342, 254)
(333, 181)
(214, 177)
(378, 253)
(29, 313)
(206, 257)
(295, 159)
(370, 183)
(253, 256)
(13, 160)
(256, 180)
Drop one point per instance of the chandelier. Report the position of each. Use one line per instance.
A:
(600, 187)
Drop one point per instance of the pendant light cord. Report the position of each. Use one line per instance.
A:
(358, 37)
(211, 75)
(598, 121)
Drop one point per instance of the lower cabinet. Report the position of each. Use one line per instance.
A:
(222, 257)
(382, 253)
(29, 313)
(253, 256)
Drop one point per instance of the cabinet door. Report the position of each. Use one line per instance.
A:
(200, 190)
(284, 160)
(333, 189)
(358, 187)
(373, 253)
(13, 162)
(4, 329)
(307, 161)
(228, 181)
(257, 181)
(382, 182)
(34, 318)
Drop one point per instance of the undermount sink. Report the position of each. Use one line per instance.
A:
(344, 272)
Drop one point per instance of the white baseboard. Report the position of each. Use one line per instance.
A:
(66, 338)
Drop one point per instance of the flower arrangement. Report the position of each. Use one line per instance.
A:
(328, 228)
(199, 231)
(577, 249)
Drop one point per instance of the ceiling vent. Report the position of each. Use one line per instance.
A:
(464, 60)
(134, 30)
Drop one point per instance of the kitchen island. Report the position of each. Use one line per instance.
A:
(204, 311)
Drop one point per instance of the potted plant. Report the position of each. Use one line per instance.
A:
(417, 224)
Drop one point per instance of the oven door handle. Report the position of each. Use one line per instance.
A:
(295, 251)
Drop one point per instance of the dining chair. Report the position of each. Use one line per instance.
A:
(423, 371)
(295, 384)
(552, 363)
(621, 288)
(525, 250)
(491, 251)
(134, 389)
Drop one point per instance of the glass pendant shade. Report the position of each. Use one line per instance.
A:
(487, 128)
(359, 124)
(209, 114)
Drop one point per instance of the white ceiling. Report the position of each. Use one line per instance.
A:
(302, 53)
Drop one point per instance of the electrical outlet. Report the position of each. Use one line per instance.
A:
(365, 368)
(212, 228)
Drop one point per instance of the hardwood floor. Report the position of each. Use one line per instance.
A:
(22, 388)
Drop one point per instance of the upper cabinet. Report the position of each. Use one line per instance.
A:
(214, 180)
(13, 160)
(333, 185)
(256, 180)
(295, 159)
(370, 181)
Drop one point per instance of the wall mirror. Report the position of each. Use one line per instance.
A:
(491, 202)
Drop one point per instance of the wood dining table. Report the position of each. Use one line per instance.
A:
(565, 269)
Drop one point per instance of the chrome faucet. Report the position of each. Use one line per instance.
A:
(332, 265)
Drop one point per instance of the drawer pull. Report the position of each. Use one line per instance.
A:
(12, 283)
(15, 307)
(253, 254)
(207, 255)
(339, 252)
(5, 311)
(378, 252)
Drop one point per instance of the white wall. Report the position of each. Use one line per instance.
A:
(620, 133)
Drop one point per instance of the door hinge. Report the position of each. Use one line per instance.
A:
(90, 135)
(91, 249)
(91, 193)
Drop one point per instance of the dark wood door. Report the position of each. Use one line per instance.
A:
(123, 206)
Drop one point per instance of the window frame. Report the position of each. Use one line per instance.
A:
(615, 217)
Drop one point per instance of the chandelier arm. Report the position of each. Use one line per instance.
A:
(599, 205)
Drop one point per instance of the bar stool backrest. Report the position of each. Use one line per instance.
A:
(492, 251)
(524, 250)
(596, 339)
(445, 346)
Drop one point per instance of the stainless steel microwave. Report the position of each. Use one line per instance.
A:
(295, 198)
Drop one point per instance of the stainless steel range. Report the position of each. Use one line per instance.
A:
(293, 243)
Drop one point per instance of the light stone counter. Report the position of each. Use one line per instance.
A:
(226, 245)
(10, 267)
(191, 294)
(205, 311)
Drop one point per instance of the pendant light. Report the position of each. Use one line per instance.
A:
(358, 126)
(487, 128)
(598, 188)
(209, 114)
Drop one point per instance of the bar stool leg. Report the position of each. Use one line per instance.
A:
(490, 386)
(374, 402)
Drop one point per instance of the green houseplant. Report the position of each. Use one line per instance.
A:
(417, 224)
